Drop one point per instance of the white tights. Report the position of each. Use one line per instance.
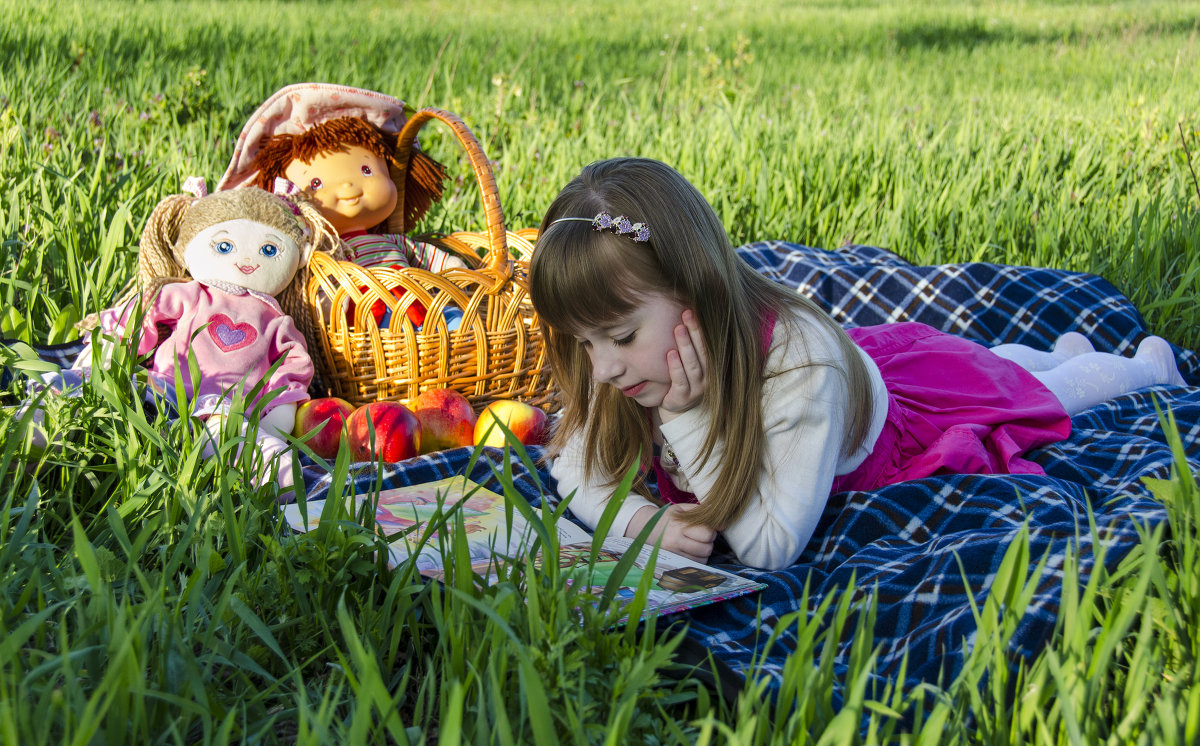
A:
(271, 457)
(1081, 377)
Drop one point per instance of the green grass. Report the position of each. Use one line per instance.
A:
(148, 596)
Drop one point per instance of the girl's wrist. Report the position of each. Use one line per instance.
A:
(666, 415)
(639, 521)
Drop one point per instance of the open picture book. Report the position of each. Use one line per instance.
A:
(496, 533)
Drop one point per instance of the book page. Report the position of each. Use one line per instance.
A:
(678, 583)
(409, 508)
(402, 514)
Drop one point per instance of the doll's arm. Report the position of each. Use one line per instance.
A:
(293, 376)
(271, 457)
(427, 256)
(113, 328)
(280, 420)
(110, 331)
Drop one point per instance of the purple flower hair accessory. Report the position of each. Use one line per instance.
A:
(620, 225)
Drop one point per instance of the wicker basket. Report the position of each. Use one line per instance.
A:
(497, 351)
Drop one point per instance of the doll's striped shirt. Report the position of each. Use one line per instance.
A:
(374, 249)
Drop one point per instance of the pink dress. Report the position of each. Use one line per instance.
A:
(233, 334)
(954, 407)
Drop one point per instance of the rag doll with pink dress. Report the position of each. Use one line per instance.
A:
(221, 280)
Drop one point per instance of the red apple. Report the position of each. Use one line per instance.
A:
(396, 432)
(446, 417)
(526, 421)
(326, 415)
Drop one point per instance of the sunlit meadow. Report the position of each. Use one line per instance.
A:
(147, 597)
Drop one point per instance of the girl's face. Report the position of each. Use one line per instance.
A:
(631, 354)
(245, 253)
(353, 188)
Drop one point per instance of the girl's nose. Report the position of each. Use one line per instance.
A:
(605, 367)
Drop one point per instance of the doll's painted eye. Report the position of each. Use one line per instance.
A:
(268, 250)
(223, 247)
(315, 184)
(367, 171)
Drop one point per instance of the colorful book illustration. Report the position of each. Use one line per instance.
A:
(495, 534)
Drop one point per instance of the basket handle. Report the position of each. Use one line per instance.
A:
(497, 259)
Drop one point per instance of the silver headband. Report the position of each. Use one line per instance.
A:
(620, 225)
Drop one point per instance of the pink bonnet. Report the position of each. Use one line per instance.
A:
(295, 108)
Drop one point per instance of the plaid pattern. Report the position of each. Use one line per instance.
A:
(989, 303)
(61, 355)
(914, 542)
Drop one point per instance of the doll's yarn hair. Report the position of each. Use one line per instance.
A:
(420, 182)
(178, 218)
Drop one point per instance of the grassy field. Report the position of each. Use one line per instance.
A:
(147, 598)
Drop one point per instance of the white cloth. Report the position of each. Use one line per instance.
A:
(805, 413)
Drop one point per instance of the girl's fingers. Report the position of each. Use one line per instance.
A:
(694, 336)
(689, 357)
(685, 366)
(702, 534)
(696, 550)
(693, 541)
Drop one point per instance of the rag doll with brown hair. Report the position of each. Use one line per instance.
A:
(338, 144)
(221, 279)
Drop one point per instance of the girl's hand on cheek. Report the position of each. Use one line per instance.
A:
(686, 366)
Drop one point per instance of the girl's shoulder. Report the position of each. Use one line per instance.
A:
(801, 337)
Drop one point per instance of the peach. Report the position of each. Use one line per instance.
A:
(446, 417)
(327, 415)
(397, 432)
(527, 422)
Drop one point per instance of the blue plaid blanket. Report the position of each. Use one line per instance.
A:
(914, 543)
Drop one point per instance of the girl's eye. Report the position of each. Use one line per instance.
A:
(366, 170)
(626, 340)
(223, 247)
(268, 250)
(315, 184)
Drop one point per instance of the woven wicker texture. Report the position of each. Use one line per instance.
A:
(496, 352)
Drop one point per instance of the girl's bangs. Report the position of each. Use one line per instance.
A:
(590, 282)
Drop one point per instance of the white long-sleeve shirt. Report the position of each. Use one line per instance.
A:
(805, 414)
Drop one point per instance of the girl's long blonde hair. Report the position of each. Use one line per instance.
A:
(179, 217)
(582, 279)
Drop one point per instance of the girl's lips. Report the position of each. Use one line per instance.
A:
(634, 390)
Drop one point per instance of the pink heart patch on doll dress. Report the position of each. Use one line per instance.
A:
(230, 336)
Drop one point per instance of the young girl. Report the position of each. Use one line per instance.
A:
(751, 403)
